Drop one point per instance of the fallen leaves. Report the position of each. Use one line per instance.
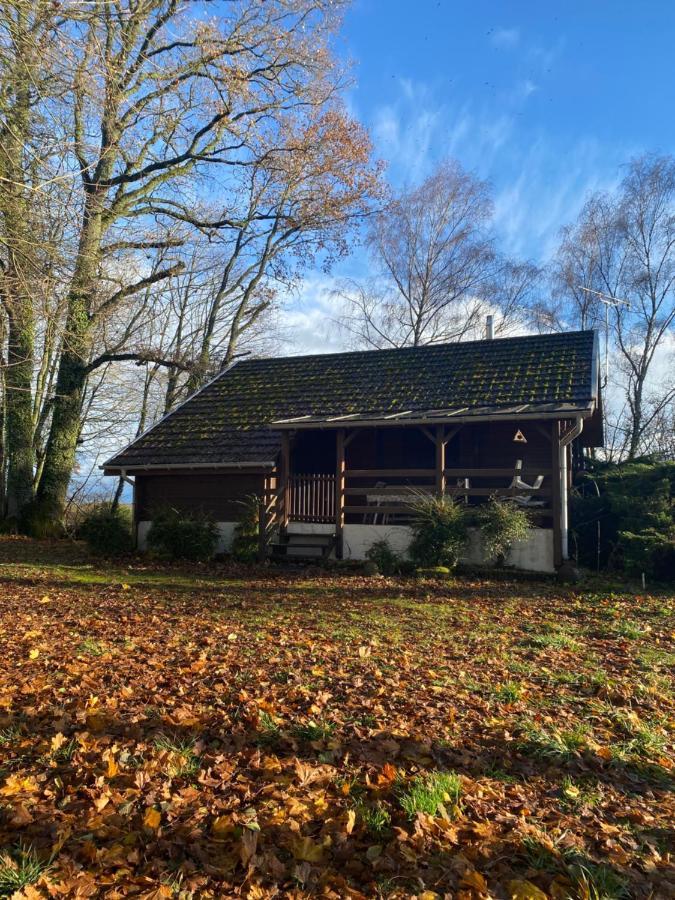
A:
(257, 736)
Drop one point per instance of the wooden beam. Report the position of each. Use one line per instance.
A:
(440, 459)
(391, 473)
(285, 482)
(556, 494)
(349, 436)
(427, 432)
(339, 492)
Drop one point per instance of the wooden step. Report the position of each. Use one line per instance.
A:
(303, 546)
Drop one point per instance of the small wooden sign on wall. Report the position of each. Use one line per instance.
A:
(519, 437)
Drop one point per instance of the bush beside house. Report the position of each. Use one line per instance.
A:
(633, 504)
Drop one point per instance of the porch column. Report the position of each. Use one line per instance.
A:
(284, 480)
(441, 442)
(339, 492)
(556, 493)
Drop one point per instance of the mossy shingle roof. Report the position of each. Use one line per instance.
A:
(231, 420)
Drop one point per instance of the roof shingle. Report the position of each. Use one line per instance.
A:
(228, 421)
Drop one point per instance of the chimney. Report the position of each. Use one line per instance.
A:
(489, 328)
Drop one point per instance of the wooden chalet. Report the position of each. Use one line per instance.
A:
(335, 445)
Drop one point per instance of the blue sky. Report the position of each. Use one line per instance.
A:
(544, 99)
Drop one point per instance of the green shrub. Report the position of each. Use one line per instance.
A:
(245, 543)
(387, 562)
(501, 524)
(107, 531)
(651, 552)
(182, 535)
(627, 508)
(41, 520)
(439, 531)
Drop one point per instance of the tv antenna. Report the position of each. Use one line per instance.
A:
(608, 300)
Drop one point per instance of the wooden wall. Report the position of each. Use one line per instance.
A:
(216, 494)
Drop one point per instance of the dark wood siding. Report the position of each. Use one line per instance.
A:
(213, 493)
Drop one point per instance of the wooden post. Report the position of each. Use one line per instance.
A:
(556, 507)
(339, 492)
(284, 487)
(262, 530)
(441, 442)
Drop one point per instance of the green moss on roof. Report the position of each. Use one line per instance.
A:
(228, 421)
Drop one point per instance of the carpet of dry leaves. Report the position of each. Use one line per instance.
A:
(214, 733)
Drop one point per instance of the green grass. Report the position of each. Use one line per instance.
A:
(314, 731)
(376, 818)
(554, 640)
(269, 732)
(554, 745)
(509, 692)
(591, 880)
(19, 868)
(631, 630)
(92, 647)
(9, 735)
(431, 794)
(183, 761)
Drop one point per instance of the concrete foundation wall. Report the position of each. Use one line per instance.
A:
(535, 554)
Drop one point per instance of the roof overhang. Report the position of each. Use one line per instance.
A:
(135, 469)
(439, 417)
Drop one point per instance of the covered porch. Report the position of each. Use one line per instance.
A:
(338, 479)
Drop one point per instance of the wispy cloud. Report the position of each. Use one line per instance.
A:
(307, 320)
(406, 130)
(505, 37)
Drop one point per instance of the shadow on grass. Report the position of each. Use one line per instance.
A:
(206, 838)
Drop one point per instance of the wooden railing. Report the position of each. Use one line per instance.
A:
(386, 495)
(312, 498)
(368, 490)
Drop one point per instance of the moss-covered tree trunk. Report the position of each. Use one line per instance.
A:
(71, 381)
(19, 413)
(18, 273)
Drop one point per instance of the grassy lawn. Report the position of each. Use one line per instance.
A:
(212, 733)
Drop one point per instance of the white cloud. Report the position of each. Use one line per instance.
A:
(505, 37)
(307, 323)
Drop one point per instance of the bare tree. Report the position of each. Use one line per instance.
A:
(624, 246)
(439, 269)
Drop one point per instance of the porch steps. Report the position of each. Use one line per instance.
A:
(303, 546)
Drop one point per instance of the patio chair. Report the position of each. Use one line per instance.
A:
(526, 499)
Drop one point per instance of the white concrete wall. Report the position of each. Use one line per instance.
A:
(534, 554)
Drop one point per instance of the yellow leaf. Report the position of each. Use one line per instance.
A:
(152, 818)
(473, 879)
(307, 850)
(46, 599)
(15, 784)
(113, 768)
(428, 895)
(126, 587)
(525, 890)
(351, 821)
(58, 740)
(34, 653)
(222, 827)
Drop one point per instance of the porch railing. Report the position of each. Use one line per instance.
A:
(384, 496)
(312, 498)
